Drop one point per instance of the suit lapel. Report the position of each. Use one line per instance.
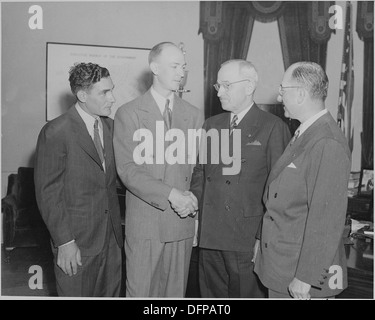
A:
(149, 112)
(294, 151)
(179, 115)
(221, 123)
(250, 125)
(83, 137)
(108, 146)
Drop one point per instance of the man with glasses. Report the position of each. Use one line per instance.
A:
(231, 205)
(302, 254)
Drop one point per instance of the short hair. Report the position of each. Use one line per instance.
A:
(313, 78)
(245, 68)
(157, 50)
(82, 76)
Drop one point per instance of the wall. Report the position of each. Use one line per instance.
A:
(131, 24)
(265, 48)
(127, 24)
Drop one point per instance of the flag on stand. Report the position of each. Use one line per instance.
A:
(346, 92)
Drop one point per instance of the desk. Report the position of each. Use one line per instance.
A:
(360, 262)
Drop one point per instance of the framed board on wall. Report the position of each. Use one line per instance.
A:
(128, 68)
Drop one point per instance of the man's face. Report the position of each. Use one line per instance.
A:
(288, 95)
(99, 99)
(169, 68)
(235, 98)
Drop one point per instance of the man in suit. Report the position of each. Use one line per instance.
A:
(159, 223)
(301, 253)
(75, 180)
(231, 205)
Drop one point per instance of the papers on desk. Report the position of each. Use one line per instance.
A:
(360, 227)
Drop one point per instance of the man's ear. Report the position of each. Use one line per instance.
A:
(154, 68)
(82, 96)
(302, 95)
(250, 88)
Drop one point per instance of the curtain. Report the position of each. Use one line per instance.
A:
(365, 30)
(304, 32)
(226, 28)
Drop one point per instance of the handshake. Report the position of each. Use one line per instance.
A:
(183, 203)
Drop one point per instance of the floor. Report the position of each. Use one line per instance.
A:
(15, 276)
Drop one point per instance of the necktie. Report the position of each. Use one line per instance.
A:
(97, 142)
(296, 134)
(233, 124)
(167, 115)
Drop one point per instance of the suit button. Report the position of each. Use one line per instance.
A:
(227, 182)
(106, 211)
(275, 196)
(227, 208)
(208, 179)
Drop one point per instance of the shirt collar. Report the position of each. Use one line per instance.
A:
(242, 114)
(304, 126)
(88, 119)
(160, 100)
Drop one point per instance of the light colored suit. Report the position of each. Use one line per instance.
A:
(306, 205)
(149, 215)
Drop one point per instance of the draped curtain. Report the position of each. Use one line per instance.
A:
(227, 27)
(365, 30)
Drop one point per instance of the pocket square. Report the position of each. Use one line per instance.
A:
(254, 143)
(292, 165)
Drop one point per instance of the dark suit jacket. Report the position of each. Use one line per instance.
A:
(231, 205)
(306, 208)
(76, 197)
(148, 212)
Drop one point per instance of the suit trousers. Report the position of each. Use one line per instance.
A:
(279, 295)
(99, 276)
(228, 274)
(156, 269)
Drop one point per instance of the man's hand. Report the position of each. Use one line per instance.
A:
(68, 258)
(183, 203)
(255, 250)
(299, 289)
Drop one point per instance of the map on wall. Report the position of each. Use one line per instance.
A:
(128, 68)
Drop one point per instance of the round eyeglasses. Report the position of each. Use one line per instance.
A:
(282, 89)
(226, 85)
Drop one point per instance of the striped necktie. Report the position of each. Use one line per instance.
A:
(296, 135)
(233, 124)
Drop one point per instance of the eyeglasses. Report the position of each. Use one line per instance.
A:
(281, 88)
(226, 85)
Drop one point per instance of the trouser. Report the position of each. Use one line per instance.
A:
(279, 295)
(156, 269)
(228, 274)
(99, 276)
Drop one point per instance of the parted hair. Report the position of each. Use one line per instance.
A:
(82, 76)
(313, 78)
(157, 49)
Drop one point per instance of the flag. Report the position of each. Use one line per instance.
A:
(347, 80)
